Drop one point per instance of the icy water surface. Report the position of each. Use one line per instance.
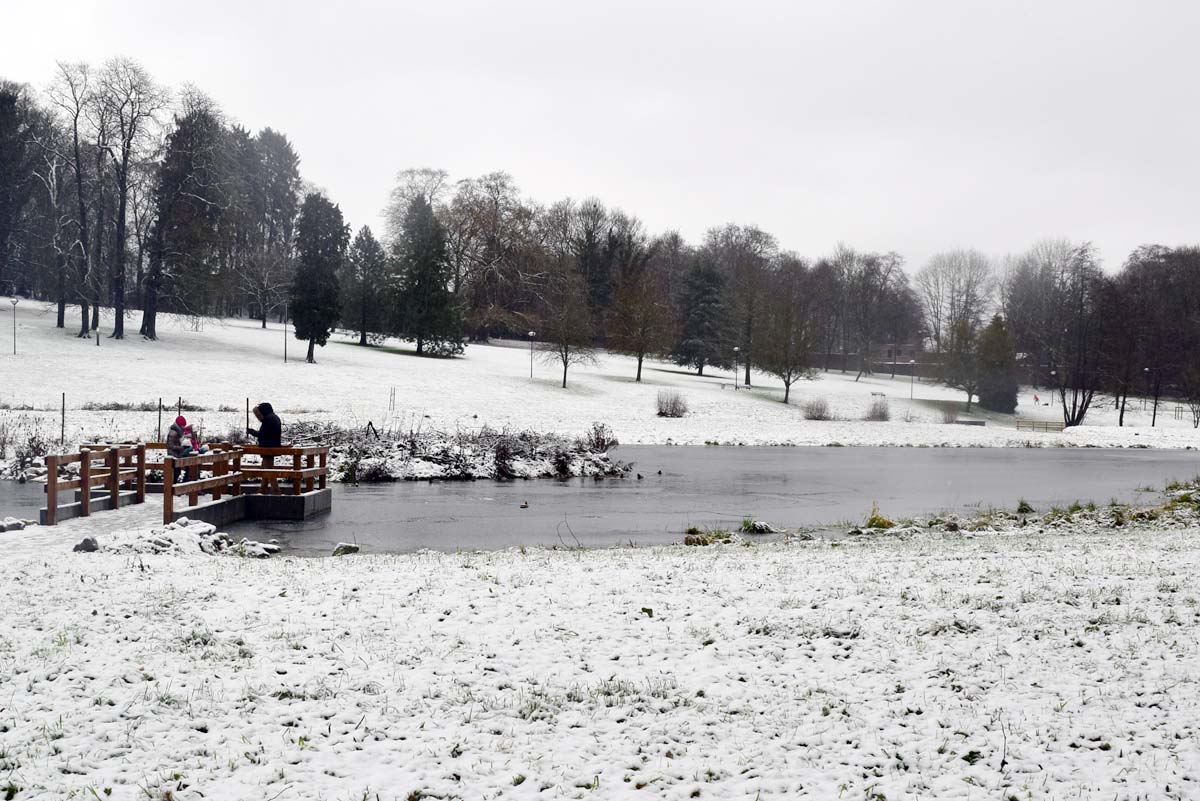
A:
(714, 487)
(717, 487)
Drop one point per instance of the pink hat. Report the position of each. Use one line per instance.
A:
(181, 421)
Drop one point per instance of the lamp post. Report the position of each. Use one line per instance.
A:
(285, 321)
(14, 301)
(736, 350)
(1148, 371)
(912, 376)
(532, 334)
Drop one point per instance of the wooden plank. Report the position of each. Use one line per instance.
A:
(194, 487)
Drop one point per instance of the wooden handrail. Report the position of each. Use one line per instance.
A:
(118, 465)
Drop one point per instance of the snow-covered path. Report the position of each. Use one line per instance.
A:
(1031, 666)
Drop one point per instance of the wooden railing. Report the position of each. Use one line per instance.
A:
(308, 469)
(226, 469)
(110, 466)
(114, 466)
(1045, 426)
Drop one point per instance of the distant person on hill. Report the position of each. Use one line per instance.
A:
(270, 431)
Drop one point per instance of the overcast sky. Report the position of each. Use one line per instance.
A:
(915, 126)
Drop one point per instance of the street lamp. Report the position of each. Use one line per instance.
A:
(532, 334)
(1157, 376)
(14, 301)
(736, 350)
(912, 376)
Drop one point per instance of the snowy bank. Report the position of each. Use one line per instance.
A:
(937, 666)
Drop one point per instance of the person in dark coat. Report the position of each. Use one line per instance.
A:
(270, 431)
(175, 446)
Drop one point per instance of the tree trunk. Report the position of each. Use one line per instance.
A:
(61, 271)
(701, 370)
(1121, 418)
(639, 373)
(787, 390)
(84, 329)
(312, 344)
(564, 386)
(118, 274)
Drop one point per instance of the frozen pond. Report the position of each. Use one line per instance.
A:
(715, 487)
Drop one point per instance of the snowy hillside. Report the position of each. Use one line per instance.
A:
(217, 364)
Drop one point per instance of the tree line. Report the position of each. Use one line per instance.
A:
(117, 192)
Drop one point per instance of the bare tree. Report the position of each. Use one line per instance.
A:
(956, 287)
(130, 101)
(869, 279)
(51, 174)
(427, 182)
(643, 317)
(72, 92)
(566, 321)
(264, 277)
(744, 253)
(789, 326)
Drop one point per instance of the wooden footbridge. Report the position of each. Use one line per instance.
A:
(229, 483)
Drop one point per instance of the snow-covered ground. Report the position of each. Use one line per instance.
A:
(1027, 666)
(219, 363)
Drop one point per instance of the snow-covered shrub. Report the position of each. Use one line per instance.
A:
(502, 454)
(878, 411)
(949, 414)
(816, 409)
(562, 462)
(32, 449)
(671, 403)
(599, 439)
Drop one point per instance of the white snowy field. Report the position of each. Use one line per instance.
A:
(226, 361)
(1030, 666)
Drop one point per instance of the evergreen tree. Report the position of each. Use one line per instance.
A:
(997, 368)
(705, 322)
(321, 240)
(427, 310)
(363, 280)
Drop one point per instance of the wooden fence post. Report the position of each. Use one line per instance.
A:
(218, 469)
(168, 489)
(297, 466)
(193, 474)
(324, 467)
(113, 460)
(141, 473)
(51, 489)
(85, 482)
(237, 468)
(310, 461)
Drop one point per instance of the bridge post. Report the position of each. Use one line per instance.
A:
(168, 489)
(141, 473)
(51, 489)
(85, 482)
